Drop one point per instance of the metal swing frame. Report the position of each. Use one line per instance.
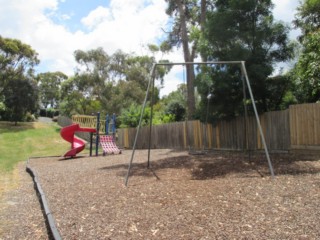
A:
(151, 85)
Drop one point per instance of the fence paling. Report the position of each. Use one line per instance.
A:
(221, 135)
(295, 128)
(305, 126)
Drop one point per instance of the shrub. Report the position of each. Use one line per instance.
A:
(29, 117)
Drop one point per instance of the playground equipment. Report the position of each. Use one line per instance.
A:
(107, 141)
(108, 145)
(104, 133)
(77, 145)
(246, 87)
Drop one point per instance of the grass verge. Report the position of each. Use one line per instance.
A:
(36, 139)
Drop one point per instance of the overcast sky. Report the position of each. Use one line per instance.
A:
(56, 28)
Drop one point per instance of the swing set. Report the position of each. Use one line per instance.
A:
(245, 85)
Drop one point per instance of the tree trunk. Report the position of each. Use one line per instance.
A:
(187, 58)
(203, 15)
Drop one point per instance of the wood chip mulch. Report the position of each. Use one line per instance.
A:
(217, 195)
(21, 216)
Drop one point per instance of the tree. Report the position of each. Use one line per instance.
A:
(176, 103)
(308, 17)
(306, 73)
(241, 30)
(93, 71)
(279, 92)
(20, 97)
(18, 92)
(49, 88)
(130, 116)
(16, 59)
(74, 99)
(189, 18)
(111, 82)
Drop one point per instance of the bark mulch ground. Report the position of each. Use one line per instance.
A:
(213, 196)
(21, 216)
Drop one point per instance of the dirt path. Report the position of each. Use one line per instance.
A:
(45, 120)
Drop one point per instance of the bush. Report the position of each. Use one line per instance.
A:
(49, 112)
(176, 109)
(43, 113)
(29, 117)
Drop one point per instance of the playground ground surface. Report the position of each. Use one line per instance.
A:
(214, 196)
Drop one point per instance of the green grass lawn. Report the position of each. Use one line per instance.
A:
(18, 143)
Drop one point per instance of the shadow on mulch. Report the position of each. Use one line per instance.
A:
(210, 166)
(71, 158)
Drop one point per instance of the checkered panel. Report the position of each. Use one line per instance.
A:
(108, 145)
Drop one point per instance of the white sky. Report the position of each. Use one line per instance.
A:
(56, 28)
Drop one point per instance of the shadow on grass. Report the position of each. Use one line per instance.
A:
(213, 166)
(6, 127)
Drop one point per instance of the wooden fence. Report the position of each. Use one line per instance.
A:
(305, 126)
(221, 135)
(295, 128)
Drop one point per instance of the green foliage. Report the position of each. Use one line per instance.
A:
(167, 119)
(2, 107)
(225, 88)
(18, 92)
(241, 30)
(29, 117)
(188, 18)
(175, 105)
(176, 110)
(16, 59)
(130, 117)
(124, 94)
(20, 97)
(48, 112)
(306, 72)
(49, 88)
(280, 92)
(308, 17)
(191, 14)
(108, 83)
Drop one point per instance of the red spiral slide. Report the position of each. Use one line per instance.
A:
(77, 145)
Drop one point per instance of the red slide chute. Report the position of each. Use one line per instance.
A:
(77, 145)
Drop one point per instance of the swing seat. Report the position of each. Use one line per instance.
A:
(108, 145)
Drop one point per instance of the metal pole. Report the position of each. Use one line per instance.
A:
(107, 125)
(206, 128)
(140, 121)
(114, 123)
(199, 63)
(245, 112)
(243, 68)
(151, 115)
(97, 134)
(91, 139)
